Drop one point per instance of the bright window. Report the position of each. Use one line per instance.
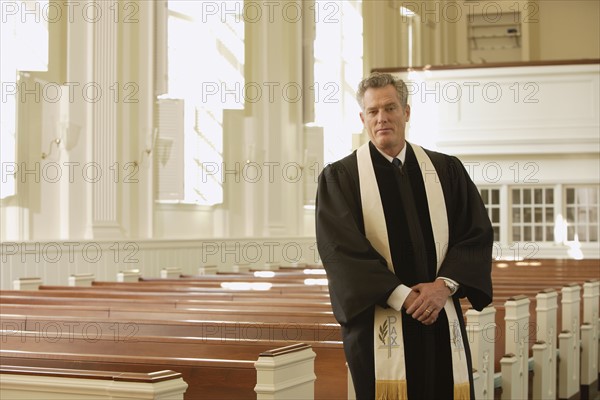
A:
(582, 209)
(338, 52)
(533, 214)
(23, 47)
(206, 70)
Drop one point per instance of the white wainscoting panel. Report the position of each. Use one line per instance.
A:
(56, 261)
(509, 110)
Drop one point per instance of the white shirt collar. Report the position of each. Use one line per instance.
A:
(401, 156)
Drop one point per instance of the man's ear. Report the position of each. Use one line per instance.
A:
(362, 117)
(407, 111)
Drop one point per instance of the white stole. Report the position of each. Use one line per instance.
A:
(390, 370)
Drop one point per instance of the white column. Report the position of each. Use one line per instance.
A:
(132, 275)
(477, 383)
(383, 23)
(511, 377)
(95, 94)
(546, 309)
(589, 346)
(139, 120)
(544, 387)
(27, 283)
(241, 172)
(276, 119)
(568, 370)
(481, 328)
(81, 279)
(286, 373)
(103, 145)
(79, 73)
(517, 326)
(571, 303)
(170, 273)
(591, 295)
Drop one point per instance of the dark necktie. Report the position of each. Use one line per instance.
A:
(413, 227)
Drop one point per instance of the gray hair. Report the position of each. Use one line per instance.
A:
(379, 80)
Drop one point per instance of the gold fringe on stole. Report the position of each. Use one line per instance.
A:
(391, 390)
(462, 391)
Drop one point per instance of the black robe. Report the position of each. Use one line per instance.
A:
(359, 278)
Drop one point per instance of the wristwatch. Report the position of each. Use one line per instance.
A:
(450, 285)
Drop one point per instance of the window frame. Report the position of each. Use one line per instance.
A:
(576, 223)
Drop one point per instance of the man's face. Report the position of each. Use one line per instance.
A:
(385, 119)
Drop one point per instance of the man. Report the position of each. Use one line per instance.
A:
(401, 242)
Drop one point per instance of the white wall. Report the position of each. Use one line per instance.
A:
(184, 221)
(511, 110)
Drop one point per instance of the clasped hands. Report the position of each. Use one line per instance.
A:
(426, 300)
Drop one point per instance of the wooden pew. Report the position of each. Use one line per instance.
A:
(121, 291)
(504, 289)
(117, 307)
(329, 365)
(35, 383)
(24, 297)
(224, 314)
(215, 286)
(258, 276)
(119, 329)
(504, 293)
(216, 379)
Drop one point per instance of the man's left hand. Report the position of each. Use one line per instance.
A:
(431, 298)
